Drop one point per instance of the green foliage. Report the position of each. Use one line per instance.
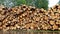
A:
(1, 1)
(11, 3)
(59, 2)
(30, 2)
(19, 2)
(41, 4)
(7, 3)
(36, 3)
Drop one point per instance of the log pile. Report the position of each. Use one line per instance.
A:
(28, 17)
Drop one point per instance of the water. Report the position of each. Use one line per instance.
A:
(28, 32)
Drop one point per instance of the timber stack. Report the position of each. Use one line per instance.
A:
(28, 17)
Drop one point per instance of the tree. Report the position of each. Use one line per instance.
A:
(59, 2)
(7, 3)
(41, 4)
(11, 3)
(30, 2)
(1, 1)
(36, 3)
(19, 2)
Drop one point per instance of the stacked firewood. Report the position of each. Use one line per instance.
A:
(28, 17)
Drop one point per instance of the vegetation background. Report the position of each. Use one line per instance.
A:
(59, 2)
(36, 3)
